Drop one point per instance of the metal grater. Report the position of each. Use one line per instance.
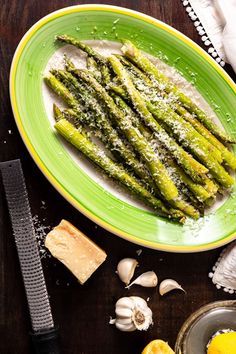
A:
(44, 334)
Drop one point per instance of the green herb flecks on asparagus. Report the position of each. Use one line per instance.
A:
(202, 143)
(60, 90)
(186, 133)
(101, 121)
(227, 156)
(133, 135)
(198, 190)
(150, 92)
(93, 67)
(179, 203)
(135, 55)
(96, 155)
(190, 165)
(81, 45)
(218, 171)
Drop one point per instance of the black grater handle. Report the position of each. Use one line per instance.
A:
(46, 341)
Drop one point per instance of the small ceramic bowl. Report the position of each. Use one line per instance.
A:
(203, 324)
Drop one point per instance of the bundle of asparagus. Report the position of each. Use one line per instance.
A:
(160, 144)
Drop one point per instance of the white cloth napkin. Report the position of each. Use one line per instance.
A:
(215, 21)
(227, 13)
(224, 271)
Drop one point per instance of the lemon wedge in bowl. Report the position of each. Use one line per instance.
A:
(157, 346)
(224, 343)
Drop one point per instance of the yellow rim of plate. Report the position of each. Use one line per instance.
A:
(34, 154)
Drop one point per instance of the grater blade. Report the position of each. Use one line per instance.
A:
(24, 234)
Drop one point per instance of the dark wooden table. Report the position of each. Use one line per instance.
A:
(82, 312)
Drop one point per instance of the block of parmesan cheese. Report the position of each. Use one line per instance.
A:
(75, 250)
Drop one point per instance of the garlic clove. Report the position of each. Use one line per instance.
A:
(125, 302)
(138, 301)
(123, 312)
(169, 285)
(147, 279)
(124, 321)
(126, 268)
(125, 328)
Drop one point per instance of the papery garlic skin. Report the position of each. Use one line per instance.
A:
(132, 313)
(147, 279)
(169, 285)
(126, 268)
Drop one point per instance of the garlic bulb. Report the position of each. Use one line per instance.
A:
(148, 280)
(126, 268)
(132, 313)
(168, 285)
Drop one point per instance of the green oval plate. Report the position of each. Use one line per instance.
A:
(121, 218)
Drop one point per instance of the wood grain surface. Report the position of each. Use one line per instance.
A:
(82, 312)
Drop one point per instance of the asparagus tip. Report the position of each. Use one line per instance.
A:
(60, 37)
(68, 63)
(127, 47)
(57, 112)
(53, 71)
(46, 78)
